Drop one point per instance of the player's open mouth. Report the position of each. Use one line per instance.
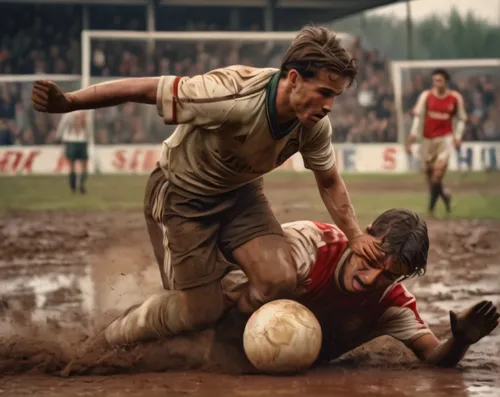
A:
(357, 285)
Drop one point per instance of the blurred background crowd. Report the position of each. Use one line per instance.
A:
(46, 40)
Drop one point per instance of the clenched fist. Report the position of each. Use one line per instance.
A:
(47, 97)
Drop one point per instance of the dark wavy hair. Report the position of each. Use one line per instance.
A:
(317, 48)
(404, 237)
(442, 72)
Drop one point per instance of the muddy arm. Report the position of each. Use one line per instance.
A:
(467, 328)
(47, 97)
(338, 203)
(447, 353)
(142, 90)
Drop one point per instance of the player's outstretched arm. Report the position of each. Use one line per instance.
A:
(336, 198)
(467, 328)
(47, 97)
(461, 119)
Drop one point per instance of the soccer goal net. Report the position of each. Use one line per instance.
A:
(108, 55)
(476, 79)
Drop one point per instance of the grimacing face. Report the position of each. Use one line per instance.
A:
(359, 275)
(439, 82)
(312, 98)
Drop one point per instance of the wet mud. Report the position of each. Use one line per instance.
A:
(63, 276)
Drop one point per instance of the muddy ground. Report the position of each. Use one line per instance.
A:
(64, 275)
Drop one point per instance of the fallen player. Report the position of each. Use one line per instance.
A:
(354, 299)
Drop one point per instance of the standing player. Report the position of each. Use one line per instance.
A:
(205, 206)
(74, 131)
(434, 113)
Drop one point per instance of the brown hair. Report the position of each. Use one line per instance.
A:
(404, 237)
(316, 48)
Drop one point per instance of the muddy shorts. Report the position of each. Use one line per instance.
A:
(200, 232)
(436, 150)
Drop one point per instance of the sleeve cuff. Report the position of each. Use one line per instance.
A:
(168, 90)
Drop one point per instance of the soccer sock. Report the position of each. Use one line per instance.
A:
(83, 179)
(446, 198)
(158, 316)
(436, 188)
(72, 180)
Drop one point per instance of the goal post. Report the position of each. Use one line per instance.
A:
(411, 77)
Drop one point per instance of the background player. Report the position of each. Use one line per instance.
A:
(433, 114)
(75, 133)
(236, 124)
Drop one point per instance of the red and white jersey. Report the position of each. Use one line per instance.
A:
(438, 112)
(319, 251)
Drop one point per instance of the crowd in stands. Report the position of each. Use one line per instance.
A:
(41, 41)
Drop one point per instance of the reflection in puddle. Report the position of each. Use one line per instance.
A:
(52, 290)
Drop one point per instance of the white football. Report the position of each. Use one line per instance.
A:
(282, 336)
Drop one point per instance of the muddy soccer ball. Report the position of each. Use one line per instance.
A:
(283, 336)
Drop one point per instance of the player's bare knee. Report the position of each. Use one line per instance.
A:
(437, 176)
(434, 174)
(278, 284)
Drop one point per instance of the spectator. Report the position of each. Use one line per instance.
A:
(44, 41)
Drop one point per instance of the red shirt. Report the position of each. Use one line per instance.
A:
(438, 113)
(319, 251)
(348, 320)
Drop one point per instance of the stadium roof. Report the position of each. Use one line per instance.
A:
(291, 13)
(327, 10)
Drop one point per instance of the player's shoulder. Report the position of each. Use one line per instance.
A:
(397, 295)
(322, 131)
(323, 233)
(326, 231)
(243, 78)
(325, 226)
(227, 84)
(398, 303)
(323, 126)
(424, 94)
(456, 94)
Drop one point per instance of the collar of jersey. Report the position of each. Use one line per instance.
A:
(272, 114)
(340, 265)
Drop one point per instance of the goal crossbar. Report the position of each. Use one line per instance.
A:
(89, 35)
(29, 78)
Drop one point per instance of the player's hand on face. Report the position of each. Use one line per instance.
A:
(47, 97)
(475, 323)
(367, 246)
